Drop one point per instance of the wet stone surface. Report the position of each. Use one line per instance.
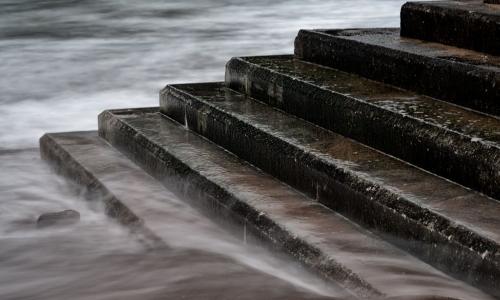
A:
(466, 24)
(458, 75)
(406, 103)
(373, 188)
(454, 142)
(306, 229)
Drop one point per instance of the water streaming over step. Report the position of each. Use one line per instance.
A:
(100, 259)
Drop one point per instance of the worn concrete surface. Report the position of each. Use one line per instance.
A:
(461, 76)
(466, 24)
(421, 212)
(454, 142)
(312, 233)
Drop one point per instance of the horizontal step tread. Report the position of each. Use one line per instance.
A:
(475, 125)
(460, 76)
(390, 38)
(471, 24)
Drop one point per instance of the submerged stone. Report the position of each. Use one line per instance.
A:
(61, 218)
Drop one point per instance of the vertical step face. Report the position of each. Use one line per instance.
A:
(325, 241)
(464, 77)
(447, 225)
(456, 143)
(466, 24)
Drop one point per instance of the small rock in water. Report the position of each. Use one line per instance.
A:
(65, 217)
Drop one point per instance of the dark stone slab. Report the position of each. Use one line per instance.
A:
(466, 24)
(321, 239)
(457, 143)
(444, 223)
(464, 77)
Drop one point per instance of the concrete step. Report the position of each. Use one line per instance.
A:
(451, 141)
(467, 24)
(321, 239)
(445, 224)
(110, 177)
(174, 228)
(461, 76)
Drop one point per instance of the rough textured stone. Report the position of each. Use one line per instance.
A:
(316, 236)
(429, 216)
(461, 76)
(61, 218)
(454, 142)
(466, 24)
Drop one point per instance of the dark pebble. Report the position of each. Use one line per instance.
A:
(62, 218)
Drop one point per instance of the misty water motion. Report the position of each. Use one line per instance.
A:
(68, 60)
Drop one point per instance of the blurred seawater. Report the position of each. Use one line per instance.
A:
(64, 61)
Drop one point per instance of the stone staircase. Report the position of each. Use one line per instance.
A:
(370, 156)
